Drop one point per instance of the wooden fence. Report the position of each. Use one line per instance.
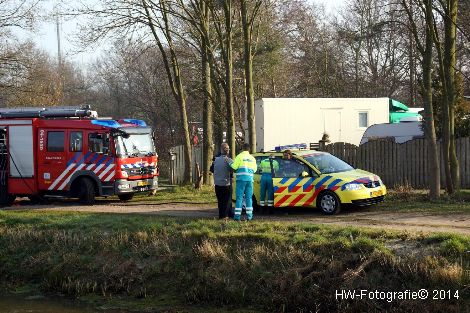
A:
(177, 162)
(399, 164)
(396, 164)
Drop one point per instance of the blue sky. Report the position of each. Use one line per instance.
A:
(45, 35)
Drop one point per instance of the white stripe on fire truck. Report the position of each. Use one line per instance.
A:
(90, 166)
(98, 168)
(51, 187)
(70, 176)
(110, 176)
(105, 171)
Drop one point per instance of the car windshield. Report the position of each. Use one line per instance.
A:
(135, 145)
(326, 163)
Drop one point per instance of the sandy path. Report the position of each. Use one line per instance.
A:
(408, 221)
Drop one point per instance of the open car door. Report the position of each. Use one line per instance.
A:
(293, 184)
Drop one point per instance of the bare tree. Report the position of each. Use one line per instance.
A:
(248, 12)
(223, 24)
(376, 54)
(447, 68)
(150, 20)
(197, 15)
(426, 51)
(18, 13)
(14, 14)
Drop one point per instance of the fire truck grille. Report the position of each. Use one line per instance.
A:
(140, 171)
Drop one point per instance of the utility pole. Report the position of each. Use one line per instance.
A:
(59, 50)
(59, 57)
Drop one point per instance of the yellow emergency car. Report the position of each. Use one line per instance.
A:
(318, 179)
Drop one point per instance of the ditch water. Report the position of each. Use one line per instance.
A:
(17, 304)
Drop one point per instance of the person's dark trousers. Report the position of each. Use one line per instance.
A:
(224, 201)
(231, 211)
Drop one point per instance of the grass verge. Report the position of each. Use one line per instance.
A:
(417, 201)
(181, 194)
(260, 266)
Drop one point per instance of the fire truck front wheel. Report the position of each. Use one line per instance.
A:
(86, 191)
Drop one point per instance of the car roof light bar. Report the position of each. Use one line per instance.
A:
(296, 146)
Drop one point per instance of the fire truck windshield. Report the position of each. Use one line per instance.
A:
(135, 145)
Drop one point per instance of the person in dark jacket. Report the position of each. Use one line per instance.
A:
(223, 182)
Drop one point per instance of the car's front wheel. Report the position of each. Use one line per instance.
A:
(86, 193)
(329, 203)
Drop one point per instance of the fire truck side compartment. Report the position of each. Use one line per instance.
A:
(20, 141)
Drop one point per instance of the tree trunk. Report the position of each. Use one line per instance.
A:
(173, 71)
(248, 60)
(430, 132)
(208, 143)
(450, 20)
(218, 112)
(445, 121)
(228, 88)
(411, 61)
(188, 164)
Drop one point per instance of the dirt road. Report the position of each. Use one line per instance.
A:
(423, 222)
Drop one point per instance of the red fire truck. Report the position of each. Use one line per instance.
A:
(71, 152)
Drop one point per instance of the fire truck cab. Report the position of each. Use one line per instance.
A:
(70, 152)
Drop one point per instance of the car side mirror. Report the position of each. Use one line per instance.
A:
(304, 174)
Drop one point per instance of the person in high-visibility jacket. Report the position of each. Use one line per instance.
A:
(268, 167)
(244, 166)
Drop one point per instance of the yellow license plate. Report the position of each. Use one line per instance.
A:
(142, 183)
(376, 193)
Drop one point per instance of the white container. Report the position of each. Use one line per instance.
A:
(284, 121)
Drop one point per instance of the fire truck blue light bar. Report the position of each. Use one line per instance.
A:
(136, 122)
(106, 123)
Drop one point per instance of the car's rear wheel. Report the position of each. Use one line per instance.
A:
(329, 203)
(36, 199)
(7, 199)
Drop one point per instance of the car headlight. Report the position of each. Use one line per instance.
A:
(353, 187)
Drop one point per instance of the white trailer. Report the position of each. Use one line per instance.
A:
(283, 121)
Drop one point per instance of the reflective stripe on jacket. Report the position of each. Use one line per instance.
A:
(244, 166)
(265, 166)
